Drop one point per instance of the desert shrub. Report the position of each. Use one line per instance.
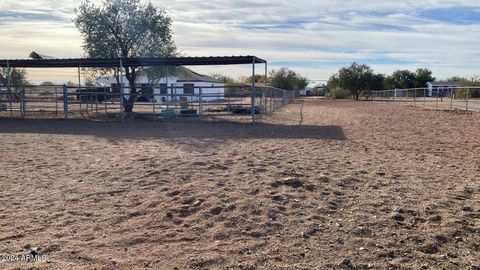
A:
(461, 93)
(340, 93)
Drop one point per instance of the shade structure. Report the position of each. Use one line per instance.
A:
(132, 62)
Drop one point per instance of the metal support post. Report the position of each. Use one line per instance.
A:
(451, 98)
(415, 97)
(200, 106)
(105, 102)
(122, 96)
(9, 87)
(65, 102)
(466, 99)
(22, 102)
(253, 92)
(424, 96)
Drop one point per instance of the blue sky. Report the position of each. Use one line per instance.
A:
(313, 37)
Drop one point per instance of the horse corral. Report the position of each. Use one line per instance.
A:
(151, 100)
(320, 184)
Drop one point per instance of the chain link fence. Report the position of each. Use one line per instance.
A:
(454, 98)
(150, 102)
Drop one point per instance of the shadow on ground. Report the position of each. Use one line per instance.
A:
(159, 130)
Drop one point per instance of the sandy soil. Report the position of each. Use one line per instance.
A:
(320, 185)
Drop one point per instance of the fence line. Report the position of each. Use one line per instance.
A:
(453, 98)
(152, 101)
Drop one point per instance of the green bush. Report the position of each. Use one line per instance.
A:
(461, 93)
(340, 93)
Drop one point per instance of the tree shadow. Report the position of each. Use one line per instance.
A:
(116, 131)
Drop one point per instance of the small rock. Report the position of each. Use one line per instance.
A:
(255, 191)
(188, 201)
(310, 187)
(169, 215)
(272, 215)
(346, 262)
(346, 180)
(430, 249)
(398, 217)
(379, 173)
(294, 182)
(362, 231)
(436, 218)
(441, 238)
(399, 209)
(216, 210)
(323, 178)
(34, 251)
(197, 203)
(276, 183)
(458, 239)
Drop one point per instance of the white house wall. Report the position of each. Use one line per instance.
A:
(210, 91)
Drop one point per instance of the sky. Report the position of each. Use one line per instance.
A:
(313, 37)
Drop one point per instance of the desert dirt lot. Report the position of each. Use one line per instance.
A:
(319, 185)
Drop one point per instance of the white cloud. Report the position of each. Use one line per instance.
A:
(314, 37)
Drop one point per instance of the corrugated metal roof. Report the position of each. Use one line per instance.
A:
(443, 83)
(135, 62)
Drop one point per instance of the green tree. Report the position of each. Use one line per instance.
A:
(47, 83)
(248, 79)
(401, 79)
(125, 28)
(224, 78)
(70, 84)
(422, 76)
(356, 78)
(18, 77)
(287, 79)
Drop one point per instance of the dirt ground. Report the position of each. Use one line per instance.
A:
(319, 185)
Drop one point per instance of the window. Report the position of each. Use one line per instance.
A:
(188, 88)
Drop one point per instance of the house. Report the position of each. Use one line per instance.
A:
(183, 81)
(436, 89)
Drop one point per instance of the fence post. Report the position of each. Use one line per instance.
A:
(271, 100)
(10, 101)
(105, 103)
(466, 99)
(451, 98)
(22, 102)
(415, 97)
(56, 101)
(65, 102)
(424, 96)
(200, 107)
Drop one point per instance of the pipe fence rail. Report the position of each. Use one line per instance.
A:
(453, 98)
(151, 102)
